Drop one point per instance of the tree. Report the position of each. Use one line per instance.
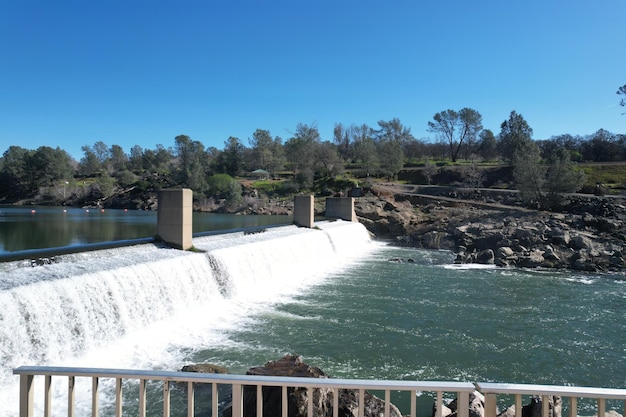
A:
(327, 160)
(51, 165)
(622, 91)
(364, 148)
(341, 137)
(90, 165)
(514, 133)
(393, 130)
(473, 177)
(430, 170)
(300, 152)
(562, 177)
(529, 173)
(231, 159)
(118, 158)
(457, 129)
(267, 153)
(15, 179)
(191, 169)
(601, 146)
(487, 145)
(135, 162)
(391, 139)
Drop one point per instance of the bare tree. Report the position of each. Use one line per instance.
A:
(457, 128)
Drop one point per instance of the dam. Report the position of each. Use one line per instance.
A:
(74, 328)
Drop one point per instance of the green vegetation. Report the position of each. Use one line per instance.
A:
(611, 176)
(462, 154)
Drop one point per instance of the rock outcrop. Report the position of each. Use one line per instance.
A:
(297, 403)
(590, 236)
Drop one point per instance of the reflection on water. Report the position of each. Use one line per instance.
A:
(25, 228)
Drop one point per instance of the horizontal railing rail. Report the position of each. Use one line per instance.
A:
(491, 390)
(237, 383)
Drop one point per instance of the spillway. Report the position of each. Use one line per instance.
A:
(56, 312)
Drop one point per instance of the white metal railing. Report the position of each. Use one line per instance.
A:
(237, 382)
(491, 390)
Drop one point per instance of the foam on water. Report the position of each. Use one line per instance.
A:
(145, 307)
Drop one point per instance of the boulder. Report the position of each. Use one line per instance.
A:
(298, 398)
(560, 236)
(205, 368)
(581, 242)
(533, 260)
(485, 257)
(476, 406)
(533, 409)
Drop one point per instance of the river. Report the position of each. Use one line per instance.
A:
(385, 313)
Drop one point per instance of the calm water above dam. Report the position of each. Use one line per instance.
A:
(26, 228)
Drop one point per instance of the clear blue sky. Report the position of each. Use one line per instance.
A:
(142, 72)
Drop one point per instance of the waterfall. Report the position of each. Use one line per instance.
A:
(52, 313)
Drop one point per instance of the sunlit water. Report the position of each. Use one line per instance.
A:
(354, 314)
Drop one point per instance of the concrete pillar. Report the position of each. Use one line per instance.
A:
(174, 219)
(303, 213)
(341, 208)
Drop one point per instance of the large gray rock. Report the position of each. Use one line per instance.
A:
(485, 257)
(534, 259)
(581, 242)
(298, 398)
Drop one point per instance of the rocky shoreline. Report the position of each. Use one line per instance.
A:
(489, 228)
(348, 401)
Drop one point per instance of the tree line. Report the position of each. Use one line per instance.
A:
(304, 157)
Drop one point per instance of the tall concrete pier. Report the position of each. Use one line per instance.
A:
(341, 208)
(303, 213)
(174, 218)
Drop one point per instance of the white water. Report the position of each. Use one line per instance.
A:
(142, 307)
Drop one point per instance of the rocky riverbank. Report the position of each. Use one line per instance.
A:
(589, 234)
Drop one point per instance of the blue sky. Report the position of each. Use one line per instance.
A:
(142, 72)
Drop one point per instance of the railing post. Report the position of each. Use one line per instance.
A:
(118, 397)
(285, 401)
(490, 405)
(26, 395)
(440, 404)
(142, 398)
(309, 408)
(237, 400)
(361, 402)
(190, 399)
(573, 407)
(259, 400)
(601, 407)
(47, 407)
(214, 400)
(387, 402)
(463, 404)
(166, 398)
(70, 396)
(95, 382)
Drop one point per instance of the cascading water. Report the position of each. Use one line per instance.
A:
(91, 309)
